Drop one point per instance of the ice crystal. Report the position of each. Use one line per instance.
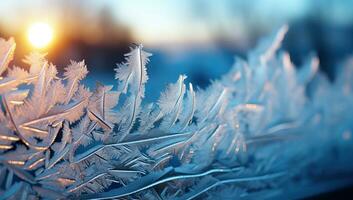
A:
(266, 129)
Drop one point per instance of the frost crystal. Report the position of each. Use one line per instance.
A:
(266, 129)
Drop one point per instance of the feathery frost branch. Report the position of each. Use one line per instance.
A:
(264, 130)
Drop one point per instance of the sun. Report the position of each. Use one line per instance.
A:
(40, 34)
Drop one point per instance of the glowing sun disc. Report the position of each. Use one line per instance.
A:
(40, 35)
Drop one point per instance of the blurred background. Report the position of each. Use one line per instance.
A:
(198, 38)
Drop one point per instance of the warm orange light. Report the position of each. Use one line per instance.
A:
(40, 34)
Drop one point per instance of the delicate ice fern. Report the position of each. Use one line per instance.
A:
(264, 130)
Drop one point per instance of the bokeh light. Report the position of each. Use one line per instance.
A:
(40, 34)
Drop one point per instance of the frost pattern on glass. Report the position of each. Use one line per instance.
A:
(266, 129)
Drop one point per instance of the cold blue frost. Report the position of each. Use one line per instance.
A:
(267, 129)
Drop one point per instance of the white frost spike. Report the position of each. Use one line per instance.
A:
(15, 77)
(289, 70)
(37, 100)
(55, 95)
(188, 108)
(7, 49)
(35, 60)
(170, 102)
(308, 71)
(132, 76)
(132, 73)
(172, 97)
(214, 102)
(101, 104)
(149, 115)
(268, 47)
(74, 73)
